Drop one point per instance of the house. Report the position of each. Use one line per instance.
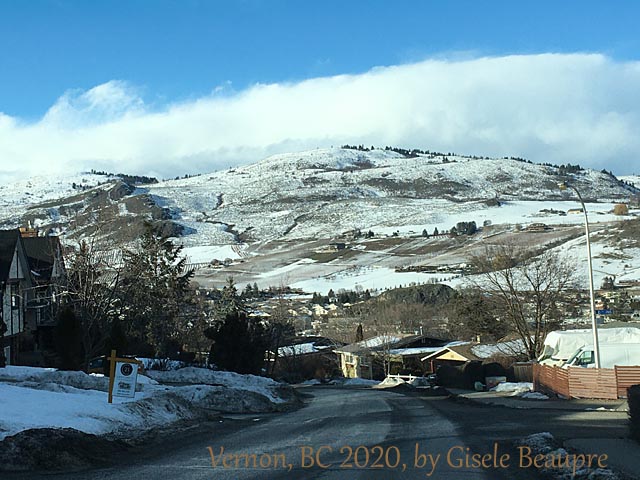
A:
(48, 275)
(454, 354)
(458, 353)
(15, 290)
(32, 276)
(305, 358)
(395, 353)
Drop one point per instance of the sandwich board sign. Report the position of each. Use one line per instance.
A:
(123, 376)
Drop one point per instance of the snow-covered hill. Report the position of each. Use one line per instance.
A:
(270, 219)
(325, 192)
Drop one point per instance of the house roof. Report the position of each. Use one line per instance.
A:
(420, 341)
(506, 347)
(41, 252)
(373, 343)
(308, 345)
(8, 240)
(409, 352)
(396, 342)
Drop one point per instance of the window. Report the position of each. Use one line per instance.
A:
(586, 358)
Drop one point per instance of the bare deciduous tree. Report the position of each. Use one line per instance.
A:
(93, 277)
(524, 291)
(280, 328)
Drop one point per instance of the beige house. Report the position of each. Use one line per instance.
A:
(374, 357)
(451, 355)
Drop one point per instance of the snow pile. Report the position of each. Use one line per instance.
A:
(37, 377)
(54, 405)
(514, 388)
(534, 396)
(13, 372)
(229, 400)
(521, 389)
(313, 381)
(558, 462)
(46, 398)
(202, 376)
(391, 382)
(354, 382)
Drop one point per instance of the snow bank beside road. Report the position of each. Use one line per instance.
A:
(202, 376)
(54, 405)
(36, 376)
(34, 398)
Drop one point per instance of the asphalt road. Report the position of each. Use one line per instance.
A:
(354, 434)
(339, 434)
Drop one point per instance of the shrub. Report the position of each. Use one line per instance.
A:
(621, 209)
(633, 396)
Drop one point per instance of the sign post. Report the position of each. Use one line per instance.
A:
(123, 376)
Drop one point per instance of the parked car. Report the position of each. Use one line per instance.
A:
(622, 354)
(101, 364)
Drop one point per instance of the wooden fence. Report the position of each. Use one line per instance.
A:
(577, 382)
(625, 377)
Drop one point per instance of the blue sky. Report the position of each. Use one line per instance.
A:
(151, 59)
(182, 49)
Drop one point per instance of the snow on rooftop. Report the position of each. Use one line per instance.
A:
(414, 351)
(513, 347)
(300, 349)
(379, 341)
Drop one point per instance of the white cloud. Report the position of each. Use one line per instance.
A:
(558, 108)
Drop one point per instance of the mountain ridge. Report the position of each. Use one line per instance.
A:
(312, 194)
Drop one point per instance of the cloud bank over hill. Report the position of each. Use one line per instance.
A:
(558, 108)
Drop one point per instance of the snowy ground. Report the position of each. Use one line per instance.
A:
(558, 463)
(41, 398)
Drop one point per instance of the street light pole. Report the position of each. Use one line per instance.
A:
(594, 325)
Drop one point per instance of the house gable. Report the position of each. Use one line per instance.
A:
(15, 282)
(45, 258)
(451, 355)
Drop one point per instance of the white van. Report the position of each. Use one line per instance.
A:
(610, 355)
(561, 345)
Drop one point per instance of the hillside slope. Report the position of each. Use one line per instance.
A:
(306, 195)
(325, 192)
